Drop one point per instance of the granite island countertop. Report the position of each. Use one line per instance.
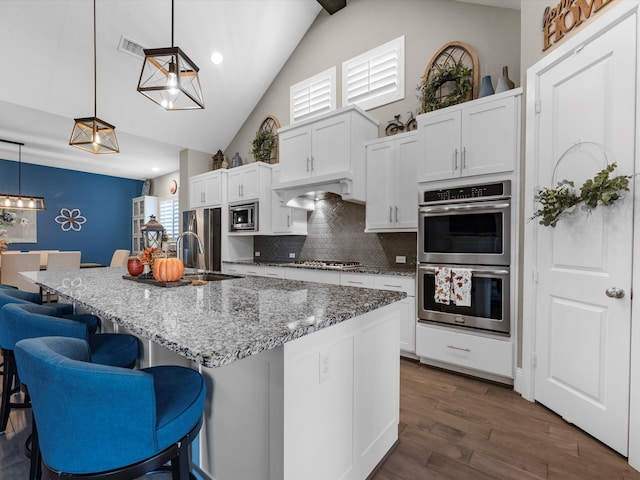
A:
(217, 323)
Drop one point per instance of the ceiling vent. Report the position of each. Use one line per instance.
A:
(127, 45)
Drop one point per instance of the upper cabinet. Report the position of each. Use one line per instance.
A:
(285, 220)
(392, 197)
(249, 182)
(206, 189)
(474, 138)
(329, 148)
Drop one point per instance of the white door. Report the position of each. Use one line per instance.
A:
(406, 195)
(582, 334)
(440, 146)
(380, 185)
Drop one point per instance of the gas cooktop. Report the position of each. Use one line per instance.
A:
(329, 264)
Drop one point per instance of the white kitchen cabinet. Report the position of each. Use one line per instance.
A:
(327, 148)
(246, 183)
(285, 220)
(448, 346)
(206, 189)
(392, 198)
(310, 275)
(474, 138)
(141, 209)
(409, 316)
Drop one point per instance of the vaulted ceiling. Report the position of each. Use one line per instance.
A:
(46, 78)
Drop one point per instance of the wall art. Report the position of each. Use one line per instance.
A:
(70, 219)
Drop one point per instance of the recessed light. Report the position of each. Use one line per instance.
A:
(155, 169)
(216, 58)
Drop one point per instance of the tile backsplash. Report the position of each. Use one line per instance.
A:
(335, 231)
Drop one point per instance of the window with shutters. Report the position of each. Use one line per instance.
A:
(376, 77)
(170, 217)
(313, 96)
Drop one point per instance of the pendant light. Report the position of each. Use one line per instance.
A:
(170, 78)
(19, 201)
(90, 133)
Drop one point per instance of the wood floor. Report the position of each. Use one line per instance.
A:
(455, 427)
(451, 427)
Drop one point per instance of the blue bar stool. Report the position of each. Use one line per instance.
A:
(23, 321)
(119, 424)
(10, 382)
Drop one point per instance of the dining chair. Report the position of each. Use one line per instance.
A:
(120, 425)
(63, 260)
(44, 254)
(119, 258)
(19, 262)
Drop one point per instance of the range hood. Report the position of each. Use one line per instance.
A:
(304, 193)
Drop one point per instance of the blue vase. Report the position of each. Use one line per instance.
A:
(486, 87)
(236, 160)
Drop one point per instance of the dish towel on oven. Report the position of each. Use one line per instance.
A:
(453, 286)
(461, 286)
(443, 285)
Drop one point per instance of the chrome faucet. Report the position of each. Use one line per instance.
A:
(179, 252)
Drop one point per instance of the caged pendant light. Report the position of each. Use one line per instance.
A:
(26, 202)
(170, 78)
(90, 133)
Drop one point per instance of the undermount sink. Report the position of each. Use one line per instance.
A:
(209, 277)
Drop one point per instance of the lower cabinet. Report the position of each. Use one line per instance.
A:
(472, 352)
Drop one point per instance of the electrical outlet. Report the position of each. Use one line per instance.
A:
(325, 364)
(256, 254)
(292, 255)
(401, 259)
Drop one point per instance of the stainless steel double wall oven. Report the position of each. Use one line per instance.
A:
(467, 227)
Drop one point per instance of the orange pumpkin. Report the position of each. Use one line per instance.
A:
(168, 269)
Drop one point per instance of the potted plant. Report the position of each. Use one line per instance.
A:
(263, 145)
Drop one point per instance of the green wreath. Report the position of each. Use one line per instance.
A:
(263, 145)
(439, 75)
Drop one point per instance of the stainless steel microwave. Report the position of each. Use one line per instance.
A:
(243, 217)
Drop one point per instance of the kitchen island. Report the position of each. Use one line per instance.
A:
(302, 377)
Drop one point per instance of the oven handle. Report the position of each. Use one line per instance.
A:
(472, 270)
(466, 208)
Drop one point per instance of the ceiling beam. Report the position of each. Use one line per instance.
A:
(332, 6)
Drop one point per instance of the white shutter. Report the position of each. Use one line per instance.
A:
(170, 217)
(313, 96)
(376, 77)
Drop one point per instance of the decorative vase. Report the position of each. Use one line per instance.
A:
(486, 87)
(505, 73)
(504, 83)
(134, 266)
(236, 160)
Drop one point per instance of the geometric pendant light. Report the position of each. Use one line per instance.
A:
(90, 133)
(22, 202)
(170, 78)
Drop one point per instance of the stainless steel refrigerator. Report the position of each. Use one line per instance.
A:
(206, 223)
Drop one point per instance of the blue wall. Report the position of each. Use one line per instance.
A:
(103, 200)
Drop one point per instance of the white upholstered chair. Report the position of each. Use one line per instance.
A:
(19, 262)
(44, 254)
(63, 260)
(119, 258)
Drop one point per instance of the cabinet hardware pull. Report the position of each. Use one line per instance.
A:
(308, 161)
(396, 214)
(464, 158)
(313, 163)
(459, 348)
(390, 213)
(394, 286)
(455, 159)
(288, 220)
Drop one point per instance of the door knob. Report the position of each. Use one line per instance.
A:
(614, 292)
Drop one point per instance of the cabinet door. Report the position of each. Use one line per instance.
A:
(196, 193)
(406, 185)
(380, 186)
(295, 154)
(330, 146)
(440, 146)
(213, 191)
(281, 220)
(243, 185)
(489, 137)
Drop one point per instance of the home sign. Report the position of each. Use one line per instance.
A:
(567, 15)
